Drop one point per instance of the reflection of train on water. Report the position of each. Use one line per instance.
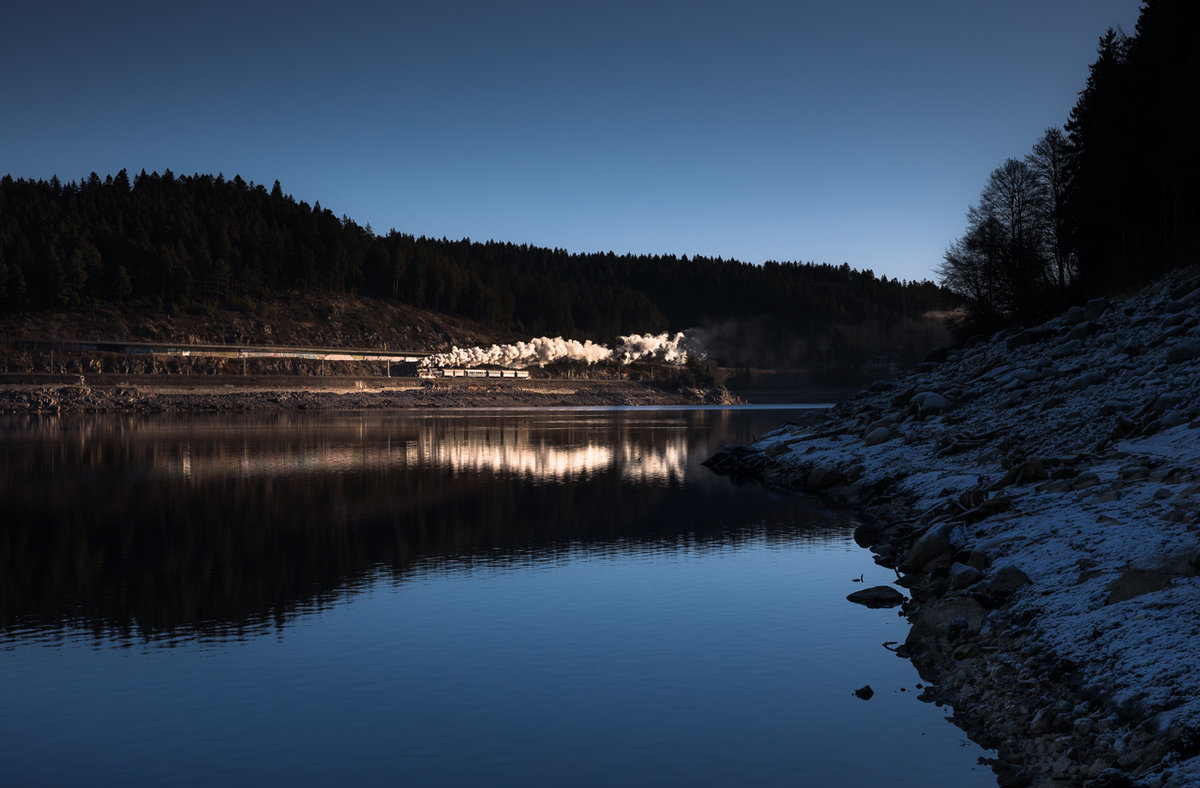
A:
(449, 372)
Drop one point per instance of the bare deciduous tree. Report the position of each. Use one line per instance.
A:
(1001, 264)
(1049, 161)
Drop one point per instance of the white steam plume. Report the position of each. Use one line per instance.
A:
(663, 347)
(540, 350)
(544, 350)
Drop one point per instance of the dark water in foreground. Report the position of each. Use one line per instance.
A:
(461, 598)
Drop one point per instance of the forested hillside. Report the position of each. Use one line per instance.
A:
(198, 243)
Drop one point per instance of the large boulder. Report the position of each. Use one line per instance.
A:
(1031, 336)
(1095, 308)
(999, 586)
(869, 532)
(877, 436)
(1083, 330)
(948, 619)
(822, 478)
(931, 545)
(775, 449)
(963, 575)
(1186, 350)
(927, 403)
(1073, 316)
(1005, 580)
(1136, 582)
(1184, 301)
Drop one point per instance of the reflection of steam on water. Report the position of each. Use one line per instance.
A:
(509, 451)
(542, 463)
(667, 348)
(642, 466)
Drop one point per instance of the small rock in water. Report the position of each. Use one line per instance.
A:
(864, 692)
(877, 596)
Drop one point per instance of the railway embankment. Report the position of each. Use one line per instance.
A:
(57, 394)
(1038, 493)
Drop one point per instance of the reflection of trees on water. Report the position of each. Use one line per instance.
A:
(159, 526)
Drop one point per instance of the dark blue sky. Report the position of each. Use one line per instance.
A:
(854, 131)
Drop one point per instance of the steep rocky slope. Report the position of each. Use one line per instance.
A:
(1040, 494)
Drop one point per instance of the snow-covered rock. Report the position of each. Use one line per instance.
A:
(1068, 455)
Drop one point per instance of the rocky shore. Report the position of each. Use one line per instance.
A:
(1038, 493)
(211, 394)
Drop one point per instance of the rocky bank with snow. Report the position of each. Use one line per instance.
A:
(1039, 494)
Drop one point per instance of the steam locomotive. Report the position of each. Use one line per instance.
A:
(452, 372)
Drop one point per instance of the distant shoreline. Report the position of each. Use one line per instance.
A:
(110, 393)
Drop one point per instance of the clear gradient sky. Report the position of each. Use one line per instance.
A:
(830, 131)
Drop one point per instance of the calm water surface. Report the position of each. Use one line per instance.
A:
(440, 598)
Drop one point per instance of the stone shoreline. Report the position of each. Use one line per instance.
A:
(1038, 494)
(201, 395)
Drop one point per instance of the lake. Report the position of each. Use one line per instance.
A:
(499, 597)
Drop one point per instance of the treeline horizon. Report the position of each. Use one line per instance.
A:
(193, 243)
(1109, 201)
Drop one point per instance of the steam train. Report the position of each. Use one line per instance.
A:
(452, 372)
